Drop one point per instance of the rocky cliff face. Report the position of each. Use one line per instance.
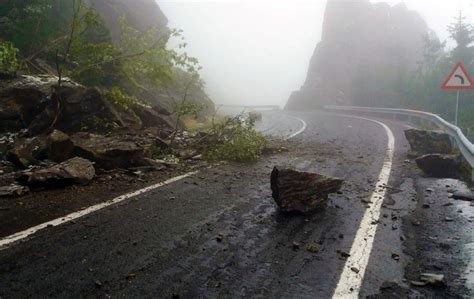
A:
(364, 48)
(141, 14)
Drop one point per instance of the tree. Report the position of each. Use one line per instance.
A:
(463, 34)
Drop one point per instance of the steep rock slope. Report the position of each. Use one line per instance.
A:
(143, 15)
(365, 47)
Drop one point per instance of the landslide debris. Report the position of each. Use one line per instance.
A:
(73, 171)
(424, 142)
(436, 156)
(301, 192)
(443, 166)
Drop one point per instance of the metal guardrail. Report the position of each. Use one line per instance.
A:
(272, 107)
(464, 145)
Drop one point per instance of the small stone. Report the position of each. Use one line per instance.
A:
(417, 283)
(432, 279)
(131, 276)
(429, 190)
(395, 256)
(344, 254)
(296, 245)
(220, 238)
(313, 248)
(355, 270)
(98, 284)
(467, 196)
(448, 219)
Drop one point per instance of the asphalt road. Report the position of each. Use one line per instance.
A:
(219, 234)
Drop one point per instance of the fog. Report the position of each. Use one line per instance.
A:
(258, 51)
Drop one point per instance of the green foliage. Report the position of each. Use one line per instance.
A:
(8, 58)
(234, 139)
(123, 101)
(463, 34)
(146, 60)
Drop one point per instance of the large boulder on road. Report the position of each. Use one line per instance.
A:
(301, 192)
(428, 142)
(73, 171)
(444, 166)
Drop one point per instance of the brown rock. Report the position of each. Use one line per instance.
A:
(60, 146)
(428, 142)
(443, 166)
(13, 190)
(26, 152)
(301, 192)
(74, 171)
(113, 151)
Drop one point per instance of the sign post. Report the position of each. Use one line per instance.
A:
(458, 79)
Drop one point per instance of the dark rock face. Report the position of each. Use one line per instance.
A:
(141, 14)
(26, 152)
(444, 166)
(428, 142)
(33, 103)
(301, 192)
(74, 171)
(59, 146)
(80, 109)
(362, 45)
(22, 99)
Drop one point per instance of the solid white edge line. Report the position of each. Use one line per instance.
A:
(9, 240)
(303, 128)
(350, 282)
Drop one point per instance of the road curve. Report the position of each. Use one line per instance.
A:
(218, 233)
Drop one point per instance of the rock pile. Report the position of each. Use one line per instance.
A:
(435, 154)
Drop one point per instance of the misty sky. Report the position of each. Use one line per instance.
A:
(258, 51)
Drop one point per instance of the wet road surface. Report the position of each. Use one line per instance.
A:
(218, 233)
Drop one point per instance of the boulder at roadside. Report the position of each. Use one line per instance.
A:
(71, 172)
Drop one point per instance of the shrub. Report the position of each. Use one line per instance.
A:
(234, 139)
(8, 58)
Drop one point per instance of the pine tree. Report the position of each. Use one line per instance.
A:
(463, 34)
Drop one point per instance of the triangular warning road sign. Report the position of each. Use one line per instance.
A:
(458, 79)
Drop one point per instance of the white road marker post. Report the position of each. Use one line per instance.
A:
(457, 110)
